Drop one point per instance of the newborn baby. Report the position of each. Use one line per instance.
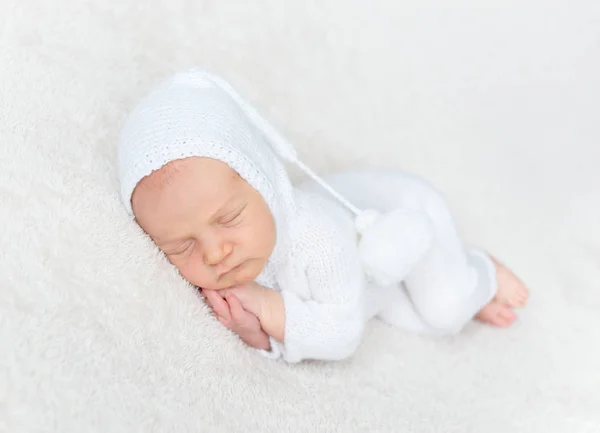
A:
(283, 266)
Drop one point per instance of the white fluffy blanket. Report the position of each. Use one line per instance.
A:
(497, 103)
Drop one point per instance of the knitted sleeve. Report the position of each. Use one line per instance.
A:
(325, 319)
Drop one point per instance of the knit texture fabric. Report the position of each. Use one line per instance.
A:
(315, 264)
(188, 115)
(322, 284)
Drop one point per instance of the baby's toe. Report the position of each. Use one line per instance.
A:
(497, 314)
(506, 317)
(521, 297)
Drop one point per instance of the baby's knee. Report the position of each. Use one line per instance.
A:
(445, 316)
(394, 244)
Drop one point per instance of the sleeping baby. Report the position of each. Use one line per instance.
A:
(296, 271)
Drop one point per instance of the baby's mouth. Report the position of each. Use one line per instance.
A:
(223, 271)
(229, 278)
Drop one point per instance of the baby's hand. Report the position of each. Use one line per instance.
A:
(233, 316)
(266, 304)
(252, 296)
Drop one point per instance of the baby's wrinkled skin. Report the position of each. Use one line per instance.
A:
(219, 233)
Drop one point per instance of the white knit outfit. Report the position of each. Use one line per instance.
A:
(334, 265)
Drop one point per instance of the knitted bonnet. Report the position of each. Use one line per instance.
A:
(195, 113)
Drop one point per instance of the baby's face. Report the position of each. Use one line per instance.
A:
(212, 225)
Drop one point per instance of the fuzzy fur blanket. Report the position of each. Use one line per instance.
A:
(495, 103)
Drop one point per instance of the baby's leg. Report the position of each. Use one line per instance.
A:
(450, 285)
(392, 305)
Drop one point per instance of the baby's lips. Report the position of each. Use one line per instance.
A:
(221, 269)
(227, 277)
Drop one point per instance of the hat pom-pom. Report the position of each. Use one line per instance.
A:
(392, 244)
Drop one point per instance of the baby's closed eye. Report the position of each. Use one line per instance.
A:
(180, 249)
(233, 218)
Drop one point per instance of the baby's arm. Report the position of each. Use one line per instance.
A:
(328, 326)
(327, 322)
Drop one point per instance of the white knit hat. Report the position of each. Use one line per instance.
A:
(189, 115)
(195, 113)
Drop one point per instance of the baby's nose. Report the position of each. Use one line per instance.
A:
(215, 254)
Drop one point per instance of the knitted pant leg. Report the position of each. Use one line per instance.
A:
(392, 305)
(450, 284)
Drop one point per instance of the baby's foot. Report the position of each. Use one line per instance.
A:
(511, 294)
(511, 290)
(497, 314)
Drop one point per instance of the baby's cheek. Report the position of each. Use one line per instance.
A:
(265, 243)
(197, 273)
(250, 271)
(259, 241)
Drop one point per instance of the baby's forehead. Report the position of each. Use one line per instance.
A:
(160, 178)
(171, 188)
(207, 171)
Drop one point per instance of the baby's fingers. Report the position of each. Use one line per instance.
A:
(242, 321)
(218, 304)
(249, 296)
(237, 311)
